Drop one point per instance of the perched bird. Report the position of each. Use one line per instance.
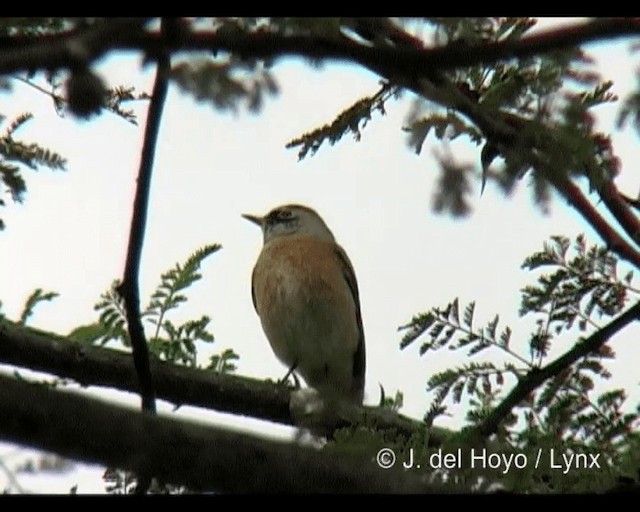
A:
(305, 292)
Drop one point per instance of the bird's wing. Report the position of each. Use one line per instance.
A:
(253, 290)
(359, 357)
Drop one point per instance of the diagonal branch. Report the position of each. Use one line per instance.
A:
(619, 208)
(500, 130)
(129, 288)
(536, 377)
(204, 458)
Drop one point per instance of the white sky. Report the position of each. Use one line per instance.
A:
(70, 234)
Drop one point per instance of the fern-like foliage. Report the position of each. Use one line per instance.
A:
(584, 285)
(167, 295)
(546, 99)
(168, 341)
(225, 362)
(581, 284)
(352, 120)
(36, 297)
(117, 97)
(15, 155)
(112, 322)
(114, 98)
(444, 327)
(226, 83)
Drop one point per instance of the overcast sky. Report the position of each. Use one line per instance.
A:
(70, 234)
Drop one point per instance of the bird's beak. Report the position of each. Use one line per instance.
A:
(253, 218)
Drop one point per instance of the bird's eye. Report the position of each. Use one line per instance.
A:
(279, 216)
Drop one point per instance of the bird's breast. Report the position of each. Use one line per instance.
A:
(305, 305)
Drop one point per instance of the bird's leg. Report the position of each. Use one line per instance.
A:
(289, 374)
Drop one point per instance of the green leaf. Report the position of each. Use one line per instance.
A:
(88, 334)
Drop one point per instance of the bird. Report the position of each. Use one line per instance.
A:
(305, 292)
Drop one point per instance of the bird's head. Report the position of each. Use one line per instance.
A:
(291, 219)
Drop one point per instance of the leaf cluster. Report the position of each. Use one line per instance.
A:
(226, 82)
(582, 285)
(352, 120)
(168, 341)
(15, 155)
(577, 286)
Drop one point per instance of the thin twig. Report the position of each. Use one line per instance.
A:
(129, 288)
(536, 377)
(53, 96)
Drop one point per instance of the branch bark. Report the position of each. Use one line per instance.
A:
(129, 288)
(242, 396)
(49, 52)
(203, 458)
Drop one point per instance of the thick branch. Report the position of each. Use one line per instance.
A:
(612, 238)
(536, 377)
(201, 457)
(67, 50)
(55, 51)
(242, 396)
(129, 289)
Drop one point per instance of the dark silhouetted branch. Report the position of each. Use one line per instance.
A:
(619, 208)
(500, 131)
(242, 396)
(129, 288)
(57, 51)
(66, 50)
(536, 377)
(203, 458)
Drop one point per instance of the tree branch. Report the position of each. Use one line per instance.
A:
(537, 376)
(204, 458)
(499, 130)
(408, 67)
(65, 50)
(616, 204)
(631, 201)
(129, 288)
(243, 396)
(56, 51)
